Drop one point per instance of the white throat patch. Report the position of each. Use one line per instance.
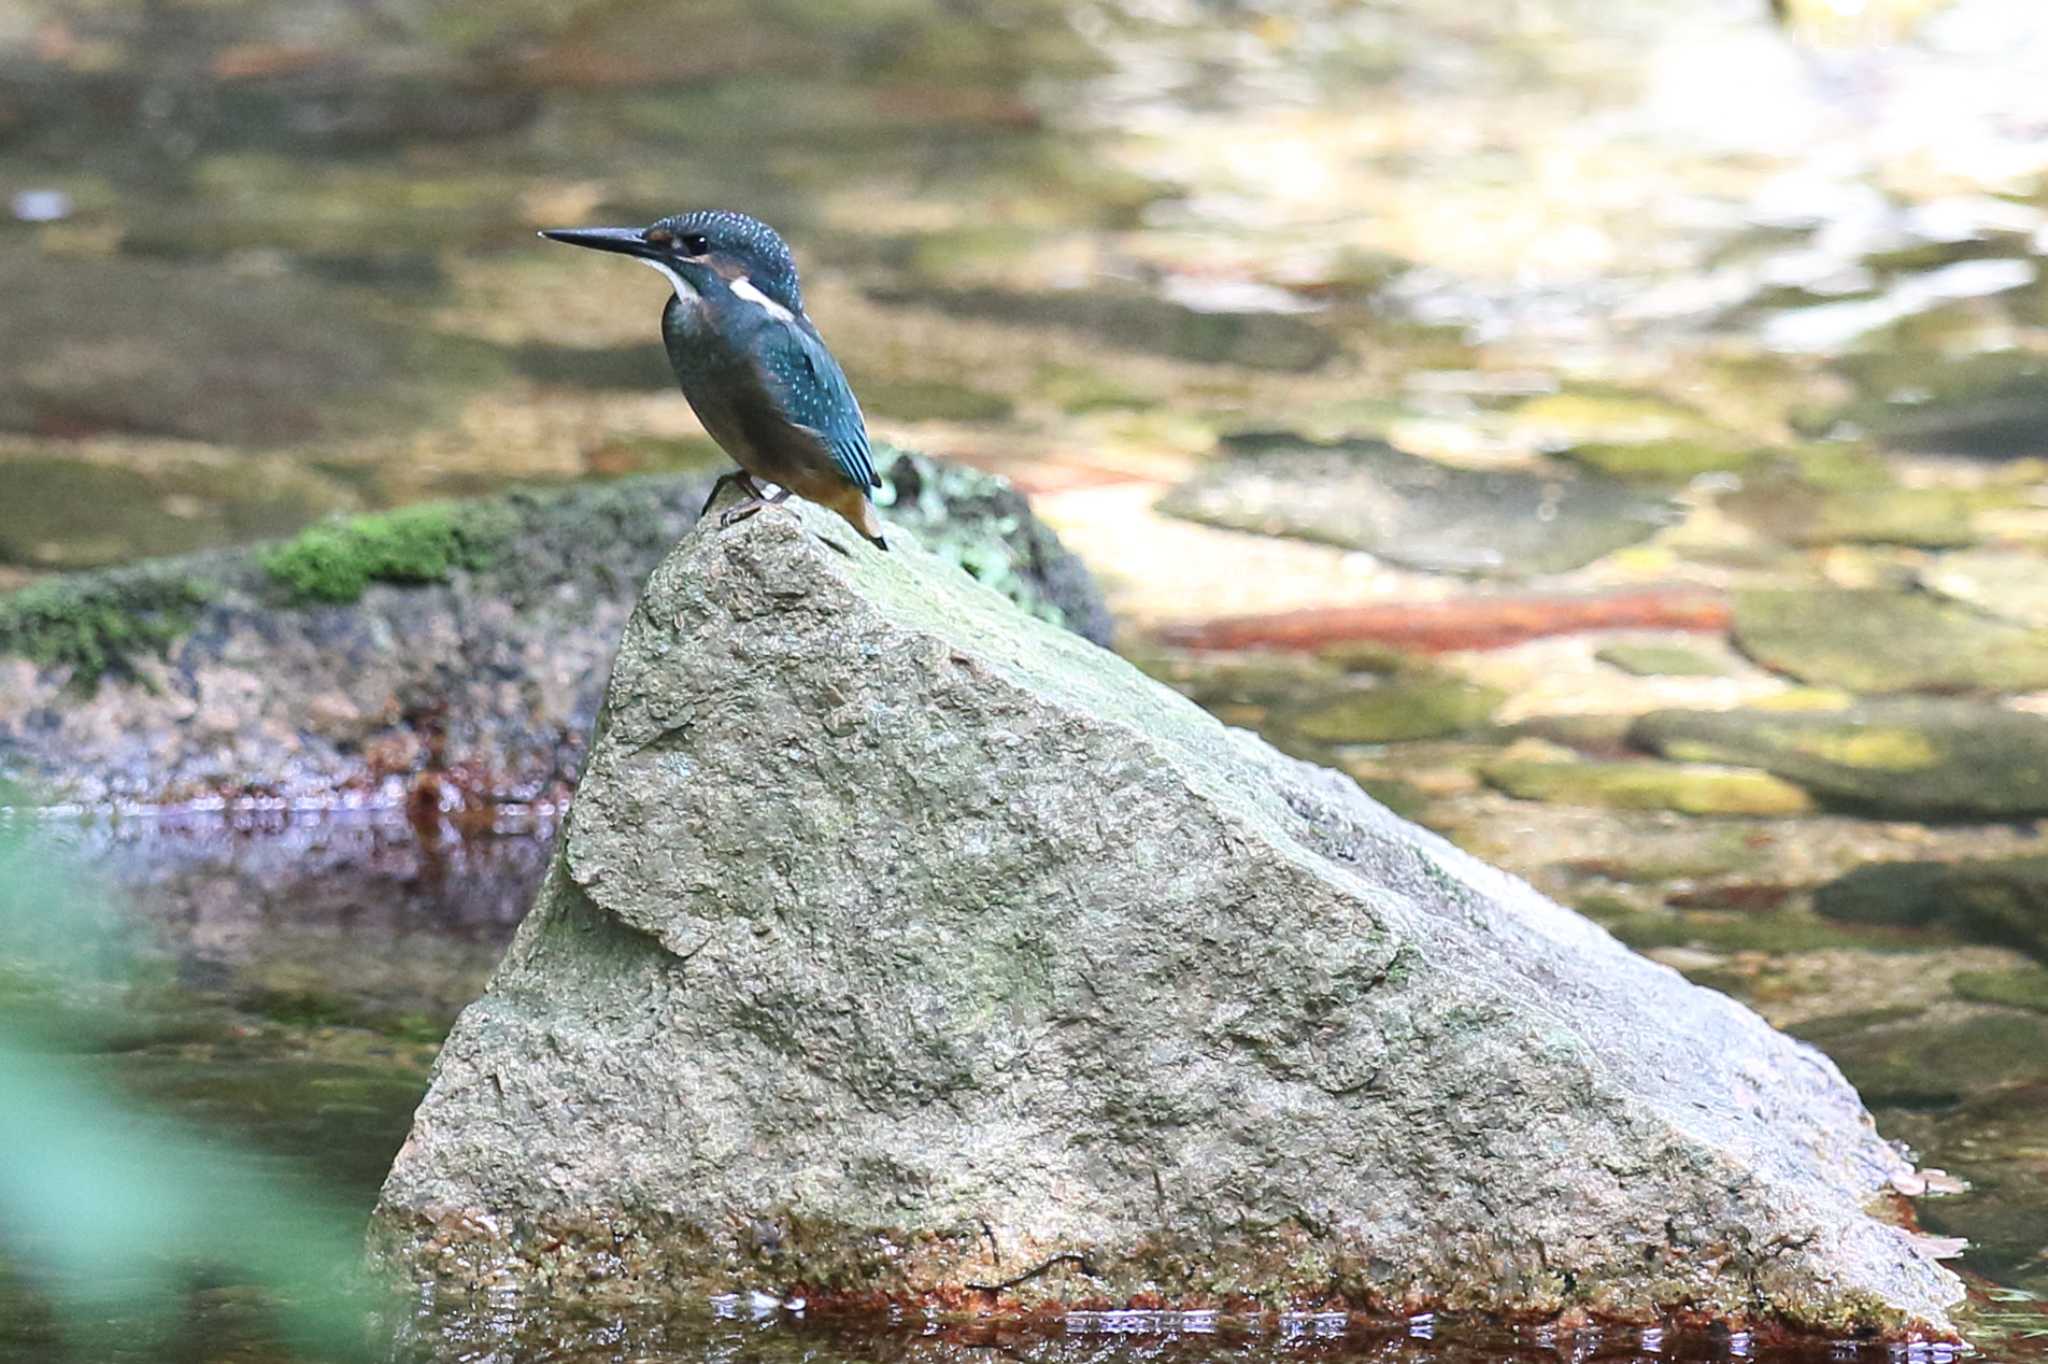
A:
(684, 289)
(746, 289)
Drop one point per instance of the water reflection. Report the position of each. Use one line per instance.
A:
(1101, 1338)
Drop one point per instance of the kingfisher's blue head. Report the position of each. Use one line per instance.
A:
(705, 251)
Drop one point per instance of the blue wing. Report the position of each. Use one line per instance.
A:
(816, 396)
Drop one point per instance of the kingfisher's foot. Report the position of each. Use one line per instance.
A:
(742, 480)
(740, 511)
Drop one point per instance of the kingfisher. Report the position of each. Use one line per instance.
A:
(753, 366)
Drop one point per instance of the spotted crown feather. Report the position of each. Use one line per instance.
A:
(758, 246)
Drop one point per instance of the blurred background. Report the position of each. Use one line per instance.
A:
(1615, 433)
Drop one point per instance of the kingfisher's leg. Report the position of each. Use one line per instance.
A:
(739, 478)
(756, 499)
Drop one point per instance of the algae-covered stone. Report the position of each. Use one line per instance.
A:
(1365, 494)
(1922, 757)
(900, 945)
(469, 636)
(1401, 706)
(2001, 901)
(1877, 641)
(1915, 1064)
(1687, 789)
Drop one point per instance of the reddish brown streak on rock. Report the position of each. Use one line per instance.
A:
(1467, 623)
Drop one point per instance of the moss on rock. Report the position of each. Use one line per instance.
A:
(98, 625)
(336, 560)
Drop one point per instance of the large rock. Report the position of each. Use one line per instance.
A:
(446, 653)
(900, 946)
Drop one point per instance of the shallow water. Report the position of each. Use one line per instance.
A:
(274, 259)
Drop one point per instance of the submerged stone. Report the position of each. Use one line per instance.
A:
(2003, 901)
(453, 646)
(1365, 494)
(900, 947)
(1877, 641)
(1939, 758)
(1917, 1063)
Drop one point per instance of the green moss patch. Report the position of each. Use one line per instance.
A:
(336, 560)
(100, 625)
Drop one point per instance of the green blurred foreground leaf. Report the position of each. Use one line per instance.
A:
(114, 1214)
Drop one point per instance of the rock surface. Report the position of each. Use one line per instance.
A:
(1365, 494)
(900, 945)
(1937, 758)
(440, 654)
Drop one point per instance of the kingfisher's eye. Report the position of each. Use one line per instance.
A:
(695, 245)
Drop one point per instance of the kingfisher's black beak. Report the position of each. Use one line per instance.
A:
(627, 241)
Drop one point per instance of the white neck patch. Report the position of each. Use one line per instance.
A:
(746, 289)
(684, 289)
